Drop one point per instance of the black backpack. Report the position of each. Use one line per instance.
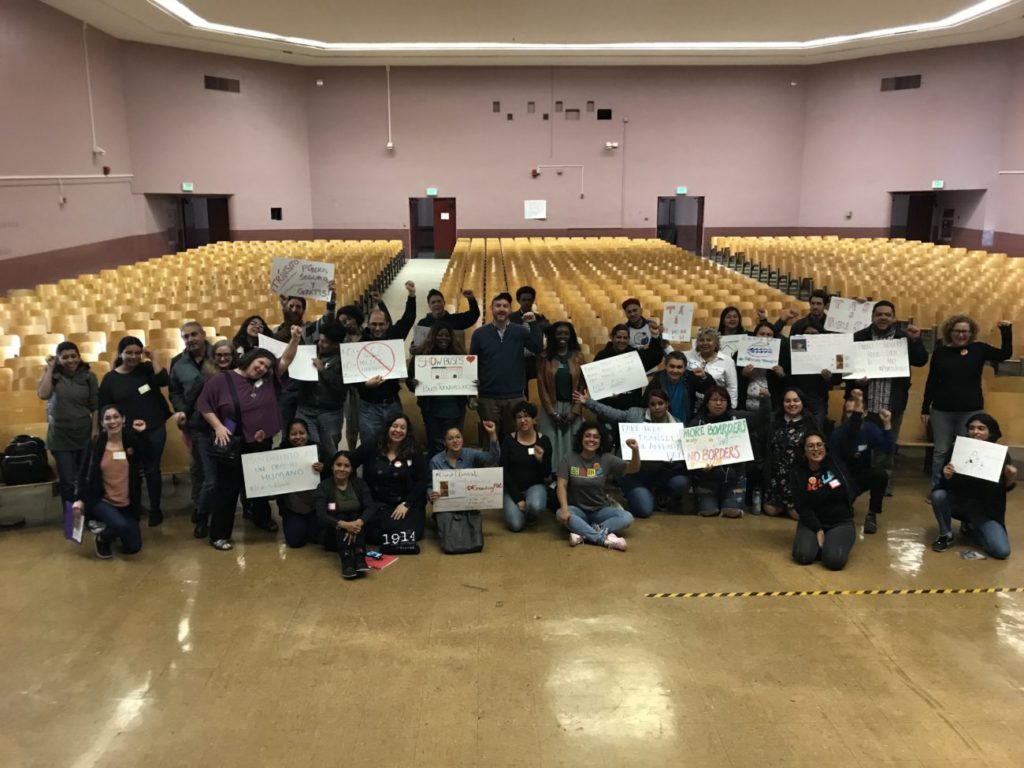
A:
(24, 461)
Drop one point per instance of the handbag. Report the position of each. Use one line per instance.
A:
(460, 532)
(231, 453)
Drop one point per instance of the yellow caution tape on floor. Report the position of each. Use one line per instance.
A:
(845, 592)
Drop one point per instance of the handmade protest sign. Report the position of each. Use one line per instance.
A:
(978, 458)
(848, 315)
(419, 335)
(714, 445)
(445, 375)
(468, 489)
(730, 344)
(884, 359)
(296, 277)
(362, 360)
(615, 375)
(758, 351)
(677, 321)
(817, 352)
(302, 367)
(658, 442)
(270, 473)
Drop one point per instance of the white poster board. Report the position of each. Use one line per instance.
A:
(445, 375)
(535, 209)
(848, 315)
(884, 359)
(677, 320)
(814, 353)
(271, 473)
(468, 489)
(758, 351)
(615, 375)
(658, 442)
(730, 344)
(715, 445)
(302, 367)
(296, 277)
(419, 335)
(362, 360)
(978, 458)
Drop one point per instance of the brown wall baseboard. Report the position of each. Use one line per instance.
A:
(50, 266)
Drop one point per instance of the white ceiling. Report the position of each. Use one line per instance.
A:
(750, 25)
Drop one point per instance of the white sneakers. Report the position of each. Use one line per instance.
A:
(575, 539)
(610, 540)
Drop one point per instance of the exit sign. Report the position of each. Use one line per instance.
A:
(187, 186)
(431, 191)
(938, 184)
(681, 190)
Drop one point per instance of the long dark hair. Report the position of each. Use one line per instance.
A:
(456, 347)
(124, 343)
(241, 339)
(408, 448)
(577, 441)
(721, 320)
(551, 346)
(994, 432)
(127, 432)
(780, 412)
(64, 346)
(286, 439)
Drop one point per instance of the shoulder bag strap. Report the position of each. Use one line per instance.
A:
(234, 399)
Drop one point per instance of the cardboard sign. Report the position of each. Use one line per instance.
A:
(295, 277)
(271, 473)
(715, 445)
(658, 442)
(468, 489)
(677, 321)
(302, 367)
(758, 351)
(884, 359)
(848, 315)
(978, 458)
(362, 360)
(817, 352)
(615, 375)
(445, 375)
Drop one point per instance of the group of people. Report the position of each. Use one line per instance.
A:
(232, 397)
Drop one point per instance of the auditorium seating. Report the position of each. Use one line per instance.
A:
(217, 285)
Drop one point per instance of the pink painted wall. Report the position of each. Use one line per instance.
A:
(861, 143)
(45, 130)
(767, 156)
(252, 145)
(731, 134)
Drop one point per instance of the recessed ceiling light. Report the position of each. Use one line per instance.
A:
(186, 15)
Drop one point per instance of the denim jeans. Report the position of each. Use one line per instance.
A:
(121, 524)
(516, 519)
(201, 442)
(324, 429)
(373, 418)
(990, 535)
(713, 498)
(640, 489)
(946, 425)
(839, 540)
(596, 525)
(68, 463)
(300, 530)
(152, 443)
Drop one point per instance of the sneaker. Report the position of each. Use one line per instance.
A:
(348, 570)
(202, 530)
(95, 526)
(575, 539)
(361, 566)
(615, 542)
(943, 542)
(155, 518)
(870, 523)
(222, 544)
(103, 550)
(732, 513)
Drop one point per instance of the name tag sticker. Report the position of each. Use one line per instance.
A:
(332, 506)
(834, 484)
(144, 389)
(529, 452)
(120, 456)
(862, 448)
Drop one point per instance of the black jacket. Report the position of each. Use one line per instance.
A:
(324, 495)
(89, 484)
(918, 356)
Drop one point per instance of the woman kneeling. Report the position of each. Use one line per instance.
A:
(343, 505)
(821, 493)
